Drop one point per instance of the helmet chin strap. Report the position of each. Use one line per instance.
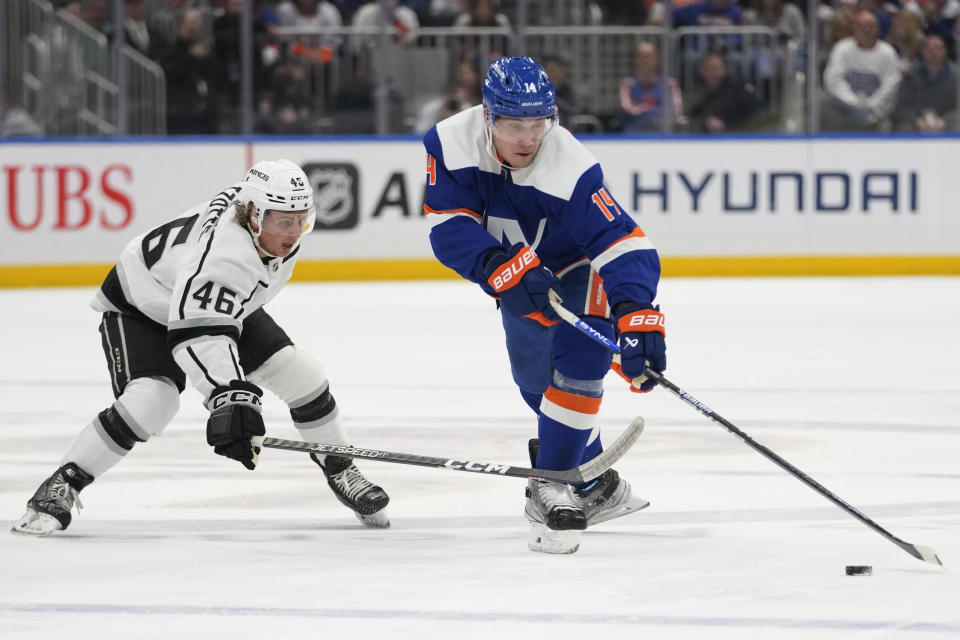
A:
(256, 237)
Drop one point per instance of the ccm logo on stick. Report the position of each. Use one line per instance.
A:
(509, 274)
(476, 466)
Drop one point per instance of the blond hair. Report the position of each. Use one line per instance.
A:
(243, 212)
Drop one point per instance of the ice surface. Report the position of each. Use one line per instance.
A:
(854, 381)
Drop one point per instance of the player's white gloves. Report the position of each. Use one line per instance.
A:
(234, 420)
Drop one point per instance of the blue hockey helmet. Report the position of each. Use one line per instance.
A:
(518, 88)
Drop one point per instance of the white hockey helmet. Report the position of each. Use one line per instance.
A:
(277, 185)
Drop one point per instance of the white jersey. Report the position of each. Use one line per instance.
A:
(200, 275)
(872, 75)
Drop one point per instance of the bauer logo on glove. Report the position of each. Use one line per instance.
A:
(506, 275)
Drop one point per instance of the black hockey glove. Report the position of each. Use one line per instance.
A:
(522, 283)
(641, 343)
(234, 419)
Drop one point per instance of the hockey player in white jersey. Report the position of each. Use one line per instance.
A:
(185, 301)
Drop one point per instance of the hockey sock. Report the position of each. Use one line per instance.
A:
(93, 452)
(319, 421)
(593, 449)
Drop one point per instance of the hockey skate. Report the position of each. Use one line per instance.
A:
(365, 499)
(606, 497)
(49, 508)
(556, 519)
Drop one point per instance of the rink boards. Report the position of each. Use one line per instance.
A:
(733, 206)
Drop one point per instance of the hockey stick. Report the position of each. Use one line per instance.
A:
(587, 471)
(927, 554)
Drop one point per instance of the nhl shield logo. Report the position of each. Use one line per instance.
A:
(335, 192)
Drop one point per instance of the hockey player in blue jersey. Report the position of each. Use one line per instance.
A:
(519, 207)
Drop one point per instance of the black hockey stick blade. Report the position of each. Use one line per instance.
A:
(917, 551)
(584, 472)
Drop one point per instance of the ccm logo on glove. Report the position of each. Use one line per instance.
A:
(643, 320)
(235, 396)
(509, 274)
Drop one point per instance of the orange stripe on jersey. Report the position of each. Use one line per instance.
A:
(596, 296)
(542, 319)
(429, 210)
(572, 401)
(636, 233)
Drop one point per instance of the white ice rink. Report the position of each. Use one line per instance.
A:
(855, 381)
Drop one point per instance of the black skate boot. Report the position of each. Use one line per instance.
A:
(49, 508)
(365, 499)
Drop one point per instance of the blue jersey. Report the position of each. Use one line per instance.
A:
(558, 205)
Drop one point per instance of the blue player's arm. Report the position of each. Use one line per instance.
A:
(455, 210)
(617, 248)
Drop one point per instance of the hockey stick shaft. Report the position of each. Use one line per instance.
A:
(583, 473)
(917, 551)
(920, 552)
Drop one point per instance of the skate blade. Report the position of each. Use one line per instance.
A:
(33, 523)
(632, 505)
(378, 520)
(545, 540)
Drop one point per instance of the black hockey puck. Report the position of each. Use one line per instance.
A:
(858, 570)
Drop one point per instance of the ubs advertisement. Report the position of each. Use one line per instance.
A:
(77, 203)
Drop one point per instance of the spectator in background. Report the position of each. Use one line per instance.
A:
(927, 100)
(626, 12)
(17, 123)
(96, 13)
(906, 37)
(724, 103)
(879, 11)
(861, 80)
(227, 56)
(785, 19)
(463, 93)
(836, 26)
(312, 13)
(442, 13)
(373, 13)
(645, 96)
(710, 13)
(557, 70)
(482, 13)
(140, 34)
(283, 107)
(191, 77)
(938, 17)
(655, 9)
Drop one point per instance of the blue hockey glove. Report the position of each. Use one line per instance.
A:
(234, 419)
(641, 343)
(523, 284)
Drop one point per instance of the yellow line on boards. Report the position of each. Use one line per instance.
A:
(69, 275)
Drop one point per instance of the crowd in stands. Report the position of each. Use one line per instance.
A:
(885, 65)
